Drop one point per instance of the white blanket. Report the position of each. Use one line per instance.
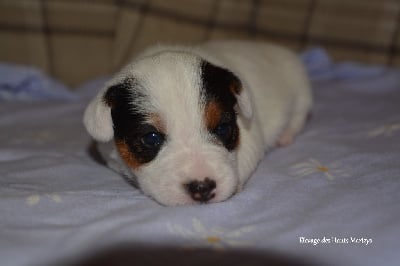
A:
(331, 198)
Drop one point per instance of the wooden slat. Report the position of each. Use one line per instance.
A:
(78, 58)
(286, 17)
(127, 28)
(192, 8)
(234, 12)
(76, 40)
(167, 31)
(81, 16)
(21, 34)
(368, 22)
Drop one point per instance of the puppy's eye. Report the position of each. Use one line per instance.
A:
(153, 139)
(223, 131)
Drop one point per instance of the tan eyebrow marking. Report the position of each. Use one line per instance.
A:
(213, 112)
(156, 120)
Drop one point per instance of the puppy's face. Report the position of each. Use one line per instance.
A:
(173, 118)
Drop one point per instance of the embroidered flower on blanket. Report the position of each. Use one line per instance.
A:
(386, 130)
(200, 236)
(35, 198)
(313, 166)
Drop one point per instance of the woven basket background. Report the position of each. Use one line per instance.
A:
(76, 40)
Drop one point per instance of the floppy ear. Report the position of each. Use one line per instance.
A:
(242, 97)
(97, 118)
(221, 82)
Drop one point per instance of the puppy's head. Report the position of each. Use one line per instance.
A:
(173, 117)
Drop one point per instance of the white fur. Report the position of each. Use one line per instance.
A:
(274, 102)
(97, 119)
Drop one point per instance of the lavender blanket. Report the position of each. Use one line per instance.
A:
(331, 198)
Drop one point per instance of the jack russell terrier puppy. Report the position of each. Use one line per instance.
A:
(190, 124)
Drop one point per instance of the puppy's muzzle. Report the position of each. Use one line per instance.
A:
(201, 191)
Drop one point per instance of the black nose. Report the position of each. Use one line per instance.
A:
(201, 190)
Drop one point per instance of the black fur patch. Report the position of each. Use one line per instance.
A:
(130, 124)
(221, 85)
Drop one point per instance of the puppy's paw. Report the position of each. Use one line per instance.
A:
(285, 138)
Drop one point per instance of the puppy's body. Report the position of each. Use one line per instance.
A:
(218, 107)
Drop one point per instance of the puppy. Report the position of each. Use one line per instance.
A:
(190, 124)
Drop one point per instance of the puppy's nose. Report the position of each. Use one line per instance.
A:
(201, 190)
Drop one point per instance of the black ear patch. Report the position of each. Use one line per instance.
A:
(130, 123)
(219, 83)
(120, 92)
(220, 87)
(110, 95)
